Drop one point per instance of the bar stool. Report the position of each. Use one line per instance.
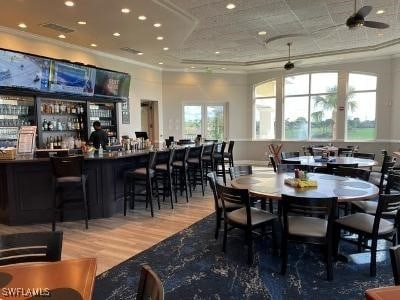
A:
(207, 158)
(141, 176)
(219, 160)
(68, 177)
(163, 168)
(229, 155)
(180, 171)
(195, 167)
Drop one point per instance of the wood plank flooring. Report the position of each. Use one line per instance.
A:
(113, 240)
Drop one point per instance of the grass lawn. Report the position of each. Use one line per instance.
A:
(361, 134)
(317, 133)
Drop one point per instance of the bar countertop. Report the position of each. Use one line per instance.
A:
(105, 156)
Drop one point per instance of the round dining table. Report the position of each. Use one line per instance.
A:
(272, 186)
(316, 161)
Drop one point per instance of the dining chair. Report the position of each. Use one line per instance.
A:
(358, 173)
(285, 155)
(219, 160)
(195, 167)
(150, 285)
(379, 178)
(371, 227)
(212, 180)
(395, 262)
(345, 152)
(364, 155)
(229, 155)
(310, 221)
(331, 165)
(30, 247)
(246, 218)
(163, 172)
(180, 172)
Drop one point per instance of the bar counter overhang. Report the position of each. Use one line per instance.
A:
(26, 187)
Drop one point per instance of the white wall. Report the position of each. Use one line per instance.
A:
(145, 82)
(200, 87)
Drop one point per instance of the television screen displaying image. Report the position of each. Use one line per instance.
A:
(23, 70)
(71, 78)
(112, 84)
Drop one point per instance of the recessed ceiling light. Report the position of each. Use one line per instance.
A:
(22, 25)
(379, 12)
(157, 25)
(142, 18)
(160, 63)
(380, 34)
(230, 6)
(61, 36)
(126, 10)
(116, 34)
(262, 33)
(223, 68)
(193, 67)
(140, 53)
(81, 22)
(160, 38)
(69, 3)
(93, 45)
(165, 48)
(217, 52)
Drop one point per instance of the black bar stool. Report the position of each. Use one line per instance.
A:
(68, 178)
(163, 168)
(195, 165)
(208, 156)
(180, 171)
(141, 176)
(220, 161)
(229, 155)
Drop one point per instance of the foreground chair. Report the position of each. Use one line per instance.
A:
(369, 227)
(246, 218)
(68, 175)
(150, 285)
(212, 179)
(302, 223)
(395, 261)
(30, 247)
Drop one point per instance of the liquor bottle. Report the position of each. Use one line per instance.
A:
(51, 143)
(68, 109)
(45, 126)
(51, 125)
(82, 126)
(73, 109)
(47, 146)
(58, 125)
(56, 108)
(62, 108)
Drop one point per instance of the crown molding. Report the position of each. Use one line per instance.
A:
(59, 43)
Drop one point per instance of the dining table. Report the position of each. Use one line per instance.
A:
(383, 293)
(66, 279)
(272, 186)
(318, 161)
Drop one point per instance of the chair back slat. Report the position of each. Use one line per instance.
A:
(393, 183)
(238, 171)
(362, 174)
(30, 247)
(233, 196)
(387, 203)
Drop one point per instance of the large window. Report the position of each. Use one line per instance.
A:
(361, 107)
(205, 119)
(310, 106)
(264, 110)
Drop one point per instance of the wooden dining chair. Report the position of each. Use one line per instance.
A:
(371, 227)
(310, 221)
(246, 218)
(150, 285)
(30, 247)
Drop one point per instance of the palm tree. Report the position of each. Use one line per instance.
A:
(329, 102)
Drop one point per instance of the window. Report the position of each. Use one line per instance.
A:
(205, 119)
(264, 110)
(310, 106)
(361, 107)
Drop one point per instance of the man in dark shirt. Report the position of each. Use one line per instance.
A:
(99, 136)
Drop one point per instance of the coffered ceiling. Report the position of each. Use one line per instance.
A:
(204, 34)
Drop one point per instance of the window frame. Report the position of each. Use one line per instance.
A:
(309, 95)
(204, 117)
(254, 98)
(361, 92)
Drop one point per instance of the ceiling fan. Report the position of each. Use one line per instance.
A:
(357, 19)
(289, 65)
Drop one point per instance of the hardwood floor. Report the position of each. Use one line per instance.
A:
(116, 239)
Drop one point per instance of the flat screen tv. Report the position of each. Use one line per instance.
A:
(23, 70)
(112, 84)
(71, 78)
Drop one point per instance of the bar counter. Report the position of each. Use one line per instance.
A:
(26, 189)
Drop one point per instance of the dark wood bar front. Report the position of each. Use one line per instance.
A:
(26, 189)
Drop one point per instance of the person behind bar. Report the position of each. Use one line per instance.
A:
(98, 136)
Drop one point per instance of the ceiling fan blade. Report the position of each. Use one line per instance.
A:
(327, 28)
(373, 24)
(364, 11)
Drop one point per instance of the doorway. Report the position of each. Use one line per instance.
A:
(149, 118)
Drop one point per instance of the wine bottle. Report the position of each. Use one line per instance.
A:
(45, 126)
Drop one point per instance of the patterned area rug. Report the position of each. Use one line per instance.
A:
(192, 266)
